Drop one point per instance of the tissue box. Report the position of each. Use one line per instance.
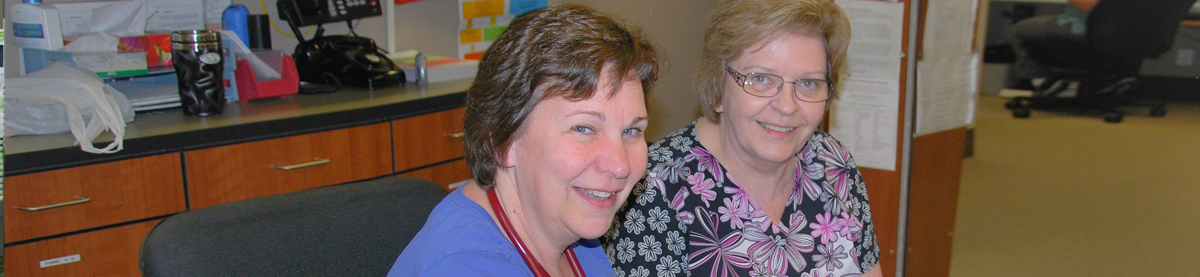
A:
(156, 46)
(105, 64)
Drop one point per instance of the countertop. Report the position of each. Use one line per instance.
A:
(171, 131)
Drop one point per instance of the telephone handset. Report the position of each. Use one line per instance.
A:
(312, 7)
(313, 12)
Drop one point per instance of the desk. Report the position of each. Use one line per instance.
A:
(171, 131)
(172, 163)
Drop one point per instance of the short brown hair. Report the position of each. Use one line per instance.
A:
(554, 51)
(738, 24)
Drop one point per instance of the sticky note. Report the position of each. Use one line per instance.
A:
(470, 36)
(482, 8)
(492, 33)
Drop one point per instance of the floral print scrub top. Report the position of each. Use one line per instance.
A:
(689, 218)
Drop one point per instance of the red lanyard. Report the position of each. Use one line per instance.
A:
(538, 270)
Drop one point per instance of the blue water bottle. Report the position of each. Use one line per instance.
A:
(234, 19)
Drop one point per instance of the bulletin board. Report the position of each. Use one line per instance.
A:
(482, 21)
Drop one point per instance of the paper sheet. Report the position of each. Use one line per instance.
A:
(949, 28)
(76, 18)
(866, 117)
(947, 75)
(174, 15)
(130, 18)
(946, 89)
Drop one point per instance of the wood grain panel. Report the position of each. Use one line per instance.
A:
(933, 201)
(120, 191)
(883, 190)
(443, 174)
(427, 139)
(108, 252)
(241, 171)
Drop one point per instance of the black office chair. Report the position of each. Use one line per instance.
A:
(1120, 34)
(355, 229)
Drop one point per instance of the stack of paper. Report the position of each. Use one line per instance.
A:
(438, 68)
(149, 96)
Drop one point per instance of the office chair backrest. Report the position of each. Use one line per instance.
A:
(355, 229)
(1135, 29)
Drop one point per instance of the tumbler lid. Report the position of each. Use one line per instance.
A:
(195, 36)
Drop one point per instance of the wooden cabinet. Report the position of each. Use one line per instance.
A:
(428, 139)
(443, 174)
(240, 171)
(90, 220)
(92, 196)
(108, 252)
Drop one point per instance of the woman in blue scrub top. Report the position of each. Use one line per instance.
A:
(554, 135)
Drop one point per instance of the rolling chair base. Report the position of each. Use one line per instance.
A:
(1105, 102)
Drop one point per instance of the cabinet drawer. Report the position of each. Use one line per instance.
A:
(115, 192)
(443, 174)
(428, 139)
(108, 252)
(268, 167)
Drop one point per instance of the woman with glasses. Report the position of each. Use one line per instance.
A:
(752, 188)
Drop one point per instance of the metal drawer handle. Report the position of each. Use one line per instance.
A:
(318, 161)
(80, 200)
(457, 135)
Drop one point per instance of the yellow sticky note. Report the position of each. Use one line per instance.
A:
(470, 36)
(482, 8)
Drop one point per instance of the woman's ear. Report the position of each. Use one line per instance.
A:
(510, 156)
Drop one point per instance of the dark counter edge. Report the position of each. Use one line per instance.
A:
(38, 161)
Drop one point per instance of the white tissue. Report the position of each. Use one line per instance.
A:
(93, 42)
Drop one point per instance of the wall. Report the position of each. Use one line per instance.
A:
(678, 29)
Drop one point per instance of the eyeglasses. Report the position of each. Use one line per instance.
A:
(768, 85)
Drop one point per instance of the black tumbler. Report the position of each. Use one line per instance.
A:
(199, 64)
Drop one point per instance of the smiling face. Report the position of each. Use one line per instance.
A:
(763, 132)
(575, 162)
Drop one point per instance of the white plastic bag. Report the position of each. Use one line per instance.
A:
(60, 98)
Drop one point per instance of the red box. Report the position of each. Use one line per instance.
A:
(250, 88)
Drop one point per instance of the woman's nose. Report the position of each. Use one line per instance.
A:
(613, 158)
(786, 102)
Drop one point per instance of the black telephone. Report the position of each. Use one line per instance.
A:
(341, 59)
(313, 12)
(345, 60)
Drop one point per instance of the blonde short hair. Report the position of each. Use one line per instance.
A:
(739, 24)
